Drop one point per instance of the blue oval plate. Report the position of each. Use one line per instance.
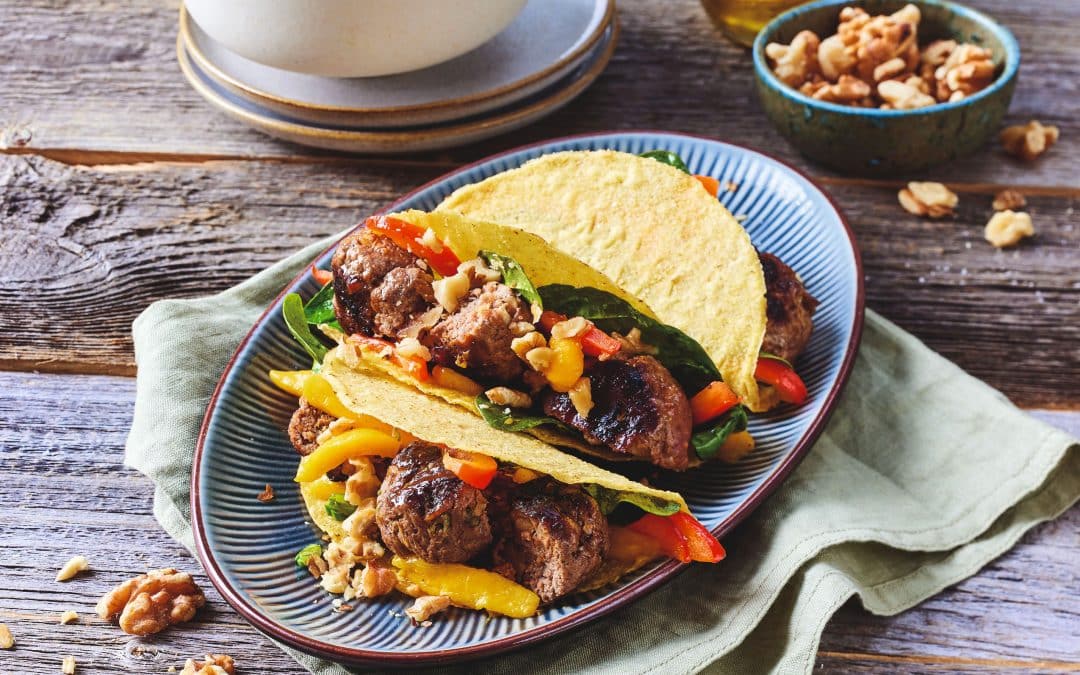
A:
(247, 548)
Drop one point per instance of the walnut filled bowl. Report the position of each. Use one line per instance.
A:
(830, 119)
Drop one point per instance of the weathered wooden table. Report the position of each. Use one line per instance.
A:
(119, 186)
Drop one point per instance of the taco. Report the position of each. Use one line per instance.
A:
(660, 233)
(495, 320)
(419, 495)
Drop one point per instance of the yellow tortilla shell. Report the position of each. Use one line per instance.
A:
(437, 421)
(654, 231)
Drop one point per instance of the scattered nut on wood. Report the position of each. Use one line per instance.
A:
(214, 664)
(72, 567)
(933, 200)
(1008, 200)
(267, 495)
(67, 666)
(1028, 141)
(69, 616)
(1007, 228)
(151, 602)
(6, 639)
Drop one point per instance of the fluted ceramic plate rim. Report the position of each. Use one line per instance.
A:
(626, 591)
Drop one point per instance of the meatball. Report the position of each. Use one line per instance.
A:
(361, 264)
(638, 409)
(404, 294)
(789, 309)
(552, 537)
(426, 511)
(477, 336)
(306, 425)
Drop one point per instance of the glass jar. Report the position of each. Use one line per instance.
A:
(740, 20)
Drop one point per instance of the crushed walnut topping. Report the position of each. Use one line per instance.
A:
(581, 396)
(427, 606)
(632, 344)
(505, 396)
(267, 495)
(933, 200)
(151, 602)
(374, 580)
(1007, 228)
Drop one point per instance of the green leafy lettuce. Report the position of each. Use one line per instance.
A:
(707, 441)
(609, 499)
(497, 417)
(513, 275)
(337, 508)
(292, 310)
(687, 360)
(667, 157)
(320, 308)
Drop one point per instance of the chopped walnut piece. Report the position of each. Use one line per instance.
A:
(581, 396)
(540, 358)
(505, 396)
(968, 69)
(835, 58)
(847, 89)
(153, 601)
(795, 63)
(69, 616)
(427, 606)
(214, 664)
(903, 96)
(928, 199)
(632, 344)
(72, 567)
(1028, 141)
(570, 328)
(267, 495)
(363, 483)
(67, 666)
(522, 345)
(6, 640)
(1007, 228)
(1008, 200)
(374, 580)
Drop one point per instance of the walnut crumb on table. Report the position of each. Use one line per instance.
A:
(69, 616)
(67, 666)
(72, 567)
(214, 664)
(6, 639)
(1008, 200)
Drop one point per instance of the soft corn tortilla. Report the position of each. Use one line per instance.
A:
(437, 421)
(654, 231)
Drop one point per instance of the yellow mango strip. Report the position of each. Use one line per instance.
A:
(468, 587)
(318, 392)
(627, 551)
(567, 364)
(346, 445)
(291, 381)
(323, 488)
(735, 447)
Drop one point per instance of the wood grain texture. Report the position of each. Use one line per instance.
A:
(94, 245)
(90, 76)
(67, 492)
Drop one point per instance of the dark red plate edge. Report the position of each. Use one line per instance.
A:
(635, 591)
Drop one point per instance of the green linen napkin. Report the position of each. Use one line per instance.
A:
(923, 475)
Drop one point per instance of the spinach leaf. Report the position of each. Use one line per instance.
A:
(680, 353)
(320, 308)
(513, 275)
(307, 553)
(609, 499)
(515, 420)
(337, 508)
(707, 442)
(292, 309)
(667, 157)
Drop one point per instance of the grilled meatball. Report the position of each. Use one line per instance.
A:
(788, 307)
(638, 409)
(306, 425)
(426, 511)
(552, 537)
(477, 336)
(363, 264)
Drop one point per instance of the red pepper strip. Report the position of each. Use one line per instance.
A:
(471, 467)
(409, 236)
(414, 366)
(663, 529)
(594, 342)
(712, 401)
(703, 546)
(780, 375)
(323, 277)
(711, 185)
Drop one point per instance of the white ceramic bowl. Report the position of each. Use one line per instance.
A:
(352, 38)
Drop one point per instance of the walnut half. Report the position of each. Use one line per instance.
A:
(151, 602)
(928, 199)
(1007, 228)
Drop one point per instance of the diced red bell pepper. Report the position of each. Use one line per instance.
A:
(711, 185)
(712, 401)
(471, 467)
(414, 366)
(663, 529)
(703, 545)
(323, 277)
(594, 342)
(779, 374)
(409, 237)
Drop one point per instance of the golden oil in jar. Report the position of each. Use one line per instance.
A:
(740, 20)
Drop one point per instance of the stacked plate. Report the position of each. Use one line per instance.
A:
(551, 53)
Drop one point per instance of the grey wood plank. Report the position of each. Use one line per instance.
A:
(88, 76)
(66, 492)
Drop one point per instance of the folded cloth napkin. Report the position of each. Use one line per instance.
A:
(923, 475)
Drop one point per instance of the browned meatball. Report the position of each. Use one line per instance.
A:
(638, 409)
(362, 263)
(306, 425)
(477, 336)
(426, 511)
(552, 538)
(789, 309)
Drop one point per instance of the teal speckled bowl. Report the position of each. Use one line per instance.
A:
(874, 142)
